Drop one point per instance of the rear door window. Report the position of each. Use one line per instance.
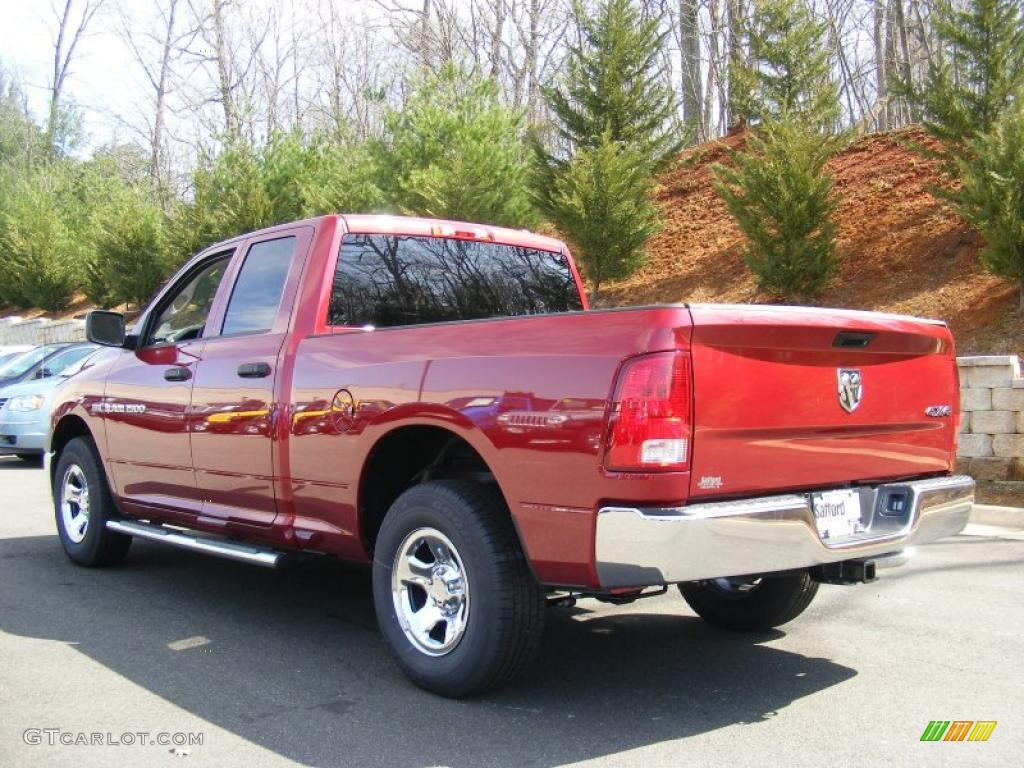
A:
(389, 280)
(258, 289)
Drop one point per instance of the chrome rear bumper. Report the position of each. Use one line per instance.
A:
(647, 546)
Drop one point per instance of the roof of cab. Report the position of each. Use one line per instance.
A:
(414, 225)
(381, 223)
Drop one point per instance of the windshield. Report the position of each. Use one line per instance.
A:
(57, 363)
(75, 366)
(25, 361)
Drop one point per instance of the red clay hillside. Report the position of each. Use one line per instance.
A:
(901, 249)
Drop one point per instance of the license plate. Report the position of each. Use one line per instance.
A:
(837, 514)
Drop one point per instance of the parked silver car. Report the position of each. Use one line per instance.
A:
(10, 352)
(42, 362)
(25, 408)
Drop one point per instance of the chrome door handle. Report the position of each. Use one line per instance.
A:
(177, 374)
(254, 370)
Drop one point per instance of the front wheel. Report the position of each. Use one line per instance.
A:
(83, 505)
(750, 604)
(453, 592)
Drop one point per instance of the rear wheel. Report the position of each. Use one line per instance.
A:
(453, 592)
(750, 603)
(83, 505)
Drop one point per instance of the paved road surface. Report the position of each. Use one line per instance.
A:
(294, 671)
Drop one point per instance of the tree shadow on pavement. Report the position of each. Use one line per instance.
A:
(296, 663)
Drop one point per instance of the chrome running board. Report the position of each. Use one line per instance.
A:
(209, 545)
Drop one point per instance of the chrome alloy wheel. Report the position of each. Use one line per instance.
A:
(74, 503)
(430, 591)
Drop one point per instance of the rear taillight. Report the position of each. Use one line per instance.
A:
(649, 425)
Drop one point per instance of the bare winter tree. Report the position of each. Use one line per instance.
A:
(531, 43)
(72, 24)
(276, 70)
(425, 29)
(519, 43)
(881, 108)
(222, 68)
(690, 61)
(156, 46)
(357, 72)
(226, 54)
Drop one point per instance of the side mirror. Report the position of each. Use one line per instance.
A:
(106, 328)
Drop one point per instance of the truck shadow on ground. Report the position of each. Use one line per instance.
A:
(295, 663)
(14, 464)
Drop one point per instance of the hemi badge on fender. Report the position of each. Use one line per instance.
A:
(938, 411)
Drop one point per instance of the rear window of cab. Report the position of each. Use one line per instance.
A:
(392, 280)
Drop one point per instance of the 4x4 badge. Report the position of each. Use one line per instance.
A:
(851, 388)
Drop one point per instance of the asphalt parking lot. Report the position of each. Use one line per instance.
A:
(285, 668)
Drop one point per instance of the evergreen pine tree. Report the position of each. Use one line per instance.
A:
(455, 151)
(127, 257)
(41, 251)
(781, 197)
(777, 188)
(613, 118)
(787, 71)
(991, 197)
(291, 176)
(601, 203)
(615, 84)
(975, 75)
(970, 100)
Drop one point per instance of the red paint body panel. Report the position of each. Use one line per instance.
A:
(150, 453)
(767, 408)
(451, 375)
(272, 460)
(232, 420)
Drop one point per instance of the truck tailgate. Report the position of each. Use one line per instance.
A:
(790, 398)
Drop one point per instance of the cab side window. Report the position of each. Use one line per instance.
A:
(182, 315)
(258, 289)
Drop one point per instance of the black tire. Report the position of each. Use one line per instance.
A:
(767, 603)
(35, 459)
(506, 605)
(97, 545)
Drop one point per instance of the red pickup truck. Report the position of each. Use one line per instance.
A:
(436, 399)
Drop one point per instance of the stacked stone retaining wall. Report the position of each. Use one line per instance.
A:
(992, 421)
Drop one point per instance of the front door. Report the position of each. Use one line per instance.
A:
(233, 414)
(148, 394)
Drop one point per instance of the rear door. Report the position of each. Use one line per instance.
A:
(792, 398)
(233, 415)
